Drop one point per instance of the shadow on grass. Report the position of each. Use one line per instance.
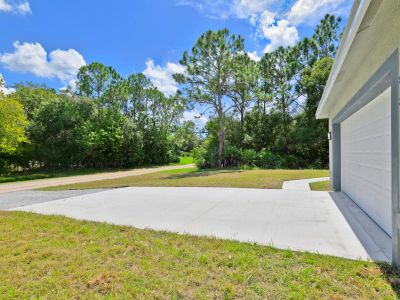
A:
(201, 173)
(392, 276)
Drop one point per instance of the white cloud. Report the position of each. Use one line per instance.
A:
(215, 9)
(280, 33)
(3, 88)
(194, 115)
(71, 85)
(244, 9)
(313, 10)
(65, 64)
(254, 56)
(161, 77)
(33, 58)
(267, 18)
(5, 6)
(272, 19)
(223, 9)
(14, 6)
(24, 8)
(7, 91)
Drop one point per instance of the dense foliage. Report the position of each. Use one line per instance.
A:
(12, 127)
(262, 113)
(106, 123)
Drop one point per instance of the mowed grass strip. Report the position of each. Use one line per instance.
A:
(265, 179)
(57, 257)
(321, 186)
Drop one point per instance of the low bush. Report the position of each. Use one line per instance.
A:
(204, 157)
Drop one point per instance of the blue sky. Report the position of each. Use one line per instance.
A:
(47, 41)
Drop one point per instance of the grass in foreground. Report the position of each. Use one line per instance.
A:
(268, 179)
(321, 186)
(57, 257)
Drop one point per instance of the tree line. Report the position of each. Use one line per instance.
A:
(109, 122)
(262, 113)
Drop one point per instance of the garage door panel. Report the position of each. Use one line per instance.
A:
(366, 159)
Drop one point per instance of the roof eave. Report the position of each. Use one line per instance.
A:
(358, 12)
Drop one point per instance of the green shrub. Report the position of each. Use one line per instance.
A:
(232, 156)
(205, 156)
(294, 162)
(251, 157)
(270, 160)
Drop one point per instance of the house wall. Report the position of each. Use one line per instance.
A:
(366, 159)
(387, 76)
(369, 51)
(370, 67)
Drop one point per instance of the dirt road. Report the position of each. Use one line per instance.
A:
(41, 183)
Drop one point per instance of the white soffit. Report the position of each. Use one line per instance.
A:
(344, 47)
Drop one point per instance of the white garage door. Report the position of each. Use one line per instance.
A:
(366, 159)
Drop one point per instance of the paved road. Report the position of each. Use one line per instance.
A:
(322, 222)
(41, 183)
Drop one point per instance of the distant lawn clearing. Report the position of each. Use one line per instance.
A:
(185, 160)
(321, 186)
(266, 179)
(57, 257)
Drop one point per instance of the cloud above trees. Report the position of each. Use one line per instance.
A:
(33, 58)
(161, 77)
(273, 20)
(311, 11)
(3, 87)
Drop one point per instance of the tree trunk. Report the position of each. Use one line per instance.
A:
(285, 124)
(242, 118)
(221, 142)
(221, 134)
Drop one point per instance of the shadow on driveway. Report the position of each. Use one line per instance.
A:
(375, 241)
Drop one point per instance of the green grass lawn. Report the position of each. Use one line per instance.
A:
(185, 160)
(321, 186)
(271, 179)
(57, 257)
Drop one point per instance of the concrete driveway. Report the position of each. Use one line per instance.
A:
(322, 222)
